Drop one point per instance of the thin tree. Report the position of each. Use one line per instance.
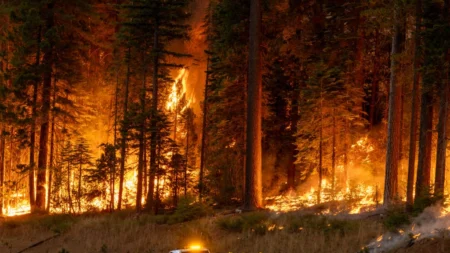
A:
(414, 109)
(124, 132)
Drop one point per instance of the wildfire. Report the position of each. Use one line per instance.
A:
(176, 94)
(354, 198)
(363, 196)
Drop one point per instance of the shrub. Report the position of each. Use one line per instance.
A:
(395, 218)
(188, 210)
(255, 222)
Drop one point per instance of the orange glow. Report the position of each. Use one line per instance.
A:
(356, 197)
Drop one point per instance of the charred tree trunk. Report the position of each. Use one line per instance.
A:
(32, 166)
(424, 163)
(442, 124)
(69, 194)
(319, 190)
(186, 155)
(414, 109)
(123, 144)
(80, 175)
(52, 149)
(333, 154)
(294, 121)
(141, 164)
(153, 122)
(394, 120)
(2, 168)
(202, 151)
(253, 187)
(46, 103)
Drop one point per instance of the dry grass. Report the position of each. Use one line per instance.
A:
(126, 232)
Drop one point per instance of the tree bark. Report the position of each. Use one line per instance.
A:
(52, 149)
(394, 120)
(441, 150)
(414, 109)
(141, 164)
(46, 103)
(2, 168)
(202, 151)
(32, 166)
(123, 144)
(253, 184)
(154, 121)
(294, 121)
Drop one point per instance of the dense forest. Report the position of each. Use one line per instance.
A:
(146, 104)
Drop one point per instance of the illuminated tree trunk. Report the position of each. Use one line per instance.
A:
(253, 187)
(186, 155)
(123, 144)
(319, 190)
(46, 93)
(32, 166)
(294, 121)
(69, 194)
(333, 154)
(394, 119)
(153, 122)
(442, 124)
(414, 110)
(141, 165)
(52, 149)
(113, 171)
(202, 151)
(80, 173)
(2, 168)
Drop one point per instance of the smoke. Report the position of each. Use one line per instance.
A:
(431, 223)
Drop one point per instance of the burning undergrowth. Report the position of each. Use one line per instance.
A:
(433, 222)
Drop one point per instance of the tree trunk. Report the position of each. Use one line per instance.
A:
(32, 166)
(123, 144)
(153, 126)
(424, 163)
(2, 168)
(186, 155)
(414, 109)
(80, 171)
(253, 187)
(441, 150)
(46, 103)
(69, 194)
(333, 155)
(319, 189)
(141, 165)
(202, 151)
(394, 120)
(294, 121)
(52, 149)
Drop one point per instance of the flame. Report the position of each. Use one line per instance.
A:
(360, 196)
(175, 94)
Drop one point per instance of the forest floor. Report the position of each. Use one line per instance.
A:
(222, 232)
